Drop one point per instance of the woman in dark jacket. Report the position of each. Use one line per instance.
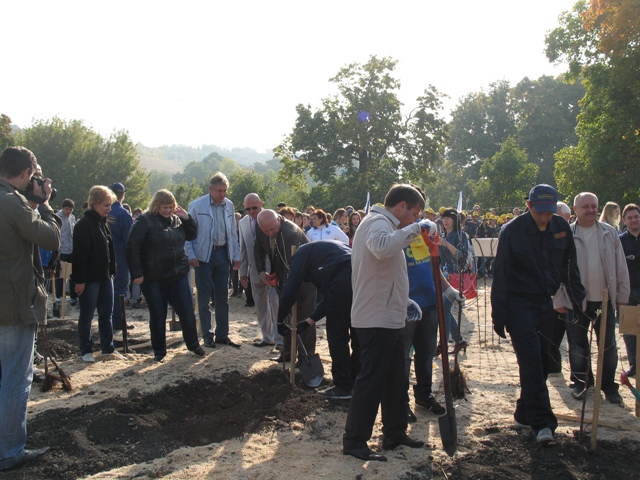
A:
(158, 263)
(94, 264)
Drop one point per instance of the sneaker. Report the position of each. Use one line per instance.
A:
(38, 359)
(88, 357)
(336, 393)
(431, 404)
(74, 302)
(614, 398)
(544, 436)
(579, 393)
(113, 356)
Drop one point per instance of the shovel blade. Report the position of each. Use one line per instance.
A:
(449, 432)
(311, 370)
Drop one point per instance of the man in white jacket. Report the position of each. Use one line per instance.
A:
(602, 266)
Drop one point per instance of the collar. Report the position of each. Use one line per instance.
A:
(385, 212)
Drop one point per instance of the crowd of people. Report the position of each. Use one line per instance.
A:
(368, 274)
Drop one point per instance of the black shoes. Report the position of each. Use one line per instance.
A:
(631, 372)
(282, 358)
(406, 440)
(364, 453)
(29, 455)
(199, 352)
(209, 343)
(431, 404)
(614, 398)
(228, 341)
(262, 344)
(336, 393)
(159, 358)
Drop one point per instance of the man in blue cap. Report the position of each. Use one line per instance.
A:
(120, 222)
(536, 253)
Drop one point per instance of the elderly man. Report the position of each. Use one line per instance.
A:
(264, 296)
(631, 245)
(535, 254)
(211, 255)
(23, 296)
(602, 266)
(275, 237)
(378, 313)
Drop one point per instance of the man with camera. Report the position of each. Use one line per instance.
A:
(23, 296)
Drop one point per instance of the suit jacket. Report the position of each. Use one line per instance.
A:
(290, 234)
(247, 246)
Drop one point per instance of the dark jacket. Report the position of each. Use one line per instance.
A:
(155, 249)
(94, 258)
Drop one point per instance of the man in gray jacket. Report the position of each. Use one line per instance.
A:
(23, 297)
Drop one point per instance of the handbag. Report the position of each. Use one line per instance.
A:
(468, 284)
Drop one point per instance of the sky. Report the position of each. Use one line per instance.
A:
(231, 73)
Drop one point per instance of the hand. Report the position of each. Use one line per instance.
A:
(181, 212)
(302, 325)
(284, 329)
(138, 281)
(79, 288)
(244, 281)
(273, 279)
(454, 296)
(414, 312)
(499, 329)
(561, 310)
(429, 226)
(194, 263)
(236, 265)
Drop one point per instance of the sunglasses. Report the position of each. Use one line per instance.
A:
(248, 209)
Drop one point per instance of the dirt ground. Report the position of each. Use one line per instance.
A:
(233, 414)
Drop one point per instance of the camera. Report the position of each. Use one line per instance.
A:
(30, 194)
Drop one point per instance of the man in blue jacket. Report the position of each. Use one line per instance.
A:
(211, 255)
(120, 222)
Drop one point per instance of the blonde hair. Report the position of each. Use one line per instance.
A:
(98, 194)
(609, 214)
(161, 197)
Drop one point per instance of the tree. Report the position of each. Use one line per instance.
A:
(6, 139)
(158, 180)
(244, 182)
(76, 158)
(601, 42)
(359, 141)
(202, 171)
(506, 177)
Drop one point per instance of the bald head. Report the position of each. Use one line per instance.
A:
(252, 205)
(585, 205)
(269, 223)
(563, 210)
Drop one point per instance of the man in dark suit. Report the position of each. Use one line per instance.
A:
(275, 237)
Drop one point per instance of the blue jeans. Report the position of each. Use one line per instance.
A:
(16, 373)
(96, 295)
(423, 335)
(579, 351)
(450, 322)
(630, 340)
(178, 294)
(212, 280)
(120, 286)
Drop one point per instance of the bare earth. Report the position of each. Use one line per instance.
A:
(232, 414)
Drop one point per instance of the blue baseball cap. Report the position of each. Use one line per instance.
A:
(117, 187)
(544, 198)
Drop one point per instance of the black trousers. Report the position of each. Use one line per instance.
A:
(380, 381)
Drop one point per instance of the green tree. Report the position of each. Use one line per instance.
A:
(243, 182)
(75, 157)
(359, 141)
(203, 170)
(159, 180)
(6, 139)
(600, 42)
(506, 177)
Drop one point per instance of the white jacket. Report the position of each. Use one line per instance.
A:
(327, 232)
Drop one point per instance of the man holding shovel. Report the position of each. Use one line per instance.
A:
(378, 313)
(535, 254)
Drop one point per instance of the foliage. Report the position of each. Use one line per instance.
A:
(6, 139)
(506, 177)
(605, 51)
(75, 157)
(202, 171)
(158, 180)
(359, 141)
(243, 182)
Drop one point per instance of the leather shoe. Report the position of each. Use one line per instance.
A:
(364, 453)
(262, 344)
(406, 440)
(28, 456)
(228, 341)
(209, 343)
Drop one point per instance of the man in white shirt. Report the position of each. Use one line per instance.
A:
(66, 246)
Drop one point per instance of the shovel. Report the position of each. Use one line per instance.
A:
(447, 422)
(310, 367)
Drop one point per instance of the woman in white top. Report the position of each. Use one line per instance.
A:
(320, 230)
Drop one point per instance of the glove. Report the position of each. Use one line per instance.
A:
(414, 312)
(284, 329)
(454, 296)
(301, 326)
(499, 329)
(429, 226)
